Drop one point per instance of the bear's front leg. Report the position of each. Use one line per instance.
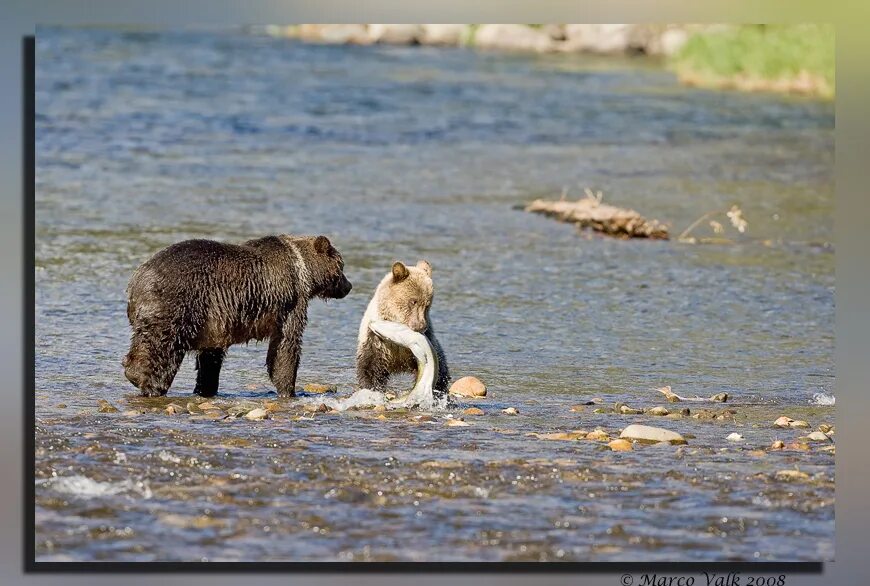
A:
(285, 348)
(208, 370)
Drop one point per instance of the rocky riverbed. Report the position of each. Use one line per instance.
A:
(242, 479)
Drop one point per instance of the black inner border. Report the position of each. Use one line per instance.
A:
(29, 509)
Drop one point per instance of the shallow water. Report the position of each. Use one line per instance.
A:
(144, 139)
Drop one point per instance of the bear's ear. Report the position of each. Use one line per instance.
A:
(400, 272)
(424, 266)
(321, 244)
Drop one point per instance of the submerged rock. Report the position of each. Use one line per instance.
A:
(468, 386)
(791, 475)
(560, 435)
(318, 388)
(817, 436)
(175, 409)
(510, 411)
(658, 411)
(735, 437)
(777, 445)
(626, 410)
(647, 434)
(457, 423)
(106, 407)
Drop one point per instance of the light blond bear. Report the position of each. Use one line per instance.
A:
(404, 295)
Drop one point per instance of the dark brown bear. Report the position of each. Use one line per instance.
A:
(204, 296)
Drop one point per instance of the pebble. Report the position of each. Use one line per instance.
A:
(510, 411)
(648, 434)
(472, 411)
(735, 437)
(826, 429)
(777, 445)
(61, 405)
(208, 405)
(620, 445)
(799, 423)
(658, 411)
(318, 408)
(468, 386)
(626, 410)
(457, 423)
(175, 409)
(214, 414)
(257, 414)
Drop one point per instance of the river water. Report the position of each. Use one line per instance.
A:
(147, 138)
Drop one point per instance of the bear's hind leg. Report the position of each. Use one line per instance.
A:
(208, 369)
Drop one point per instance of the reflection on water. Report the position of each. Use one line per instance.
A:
(144, 139)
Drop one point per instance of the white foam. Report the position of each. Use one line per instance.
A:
(85, 487)
(823, 399)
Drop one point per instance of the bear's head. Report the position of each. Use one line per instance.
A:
(406, 295)
(326, 270)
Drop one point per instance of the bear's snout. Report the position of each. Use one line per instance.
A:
(344, 287)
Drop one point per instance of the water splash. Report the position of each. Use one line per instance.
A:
(85, 487)
(823, 399)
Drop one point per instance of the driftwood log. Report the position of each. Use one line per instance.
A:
(590, 212)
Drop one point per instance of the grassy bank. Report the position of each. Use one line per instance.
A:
(784, 58)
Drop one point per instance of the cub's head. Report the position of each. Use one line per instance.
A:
(406, 295)
(326, 269)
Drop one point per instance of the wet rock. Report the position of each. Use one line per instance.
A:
(423, 418)
(444, 34)
(577, 408)
(560, 435)
(626, 410)
(457, 423)
(817, 436)
(826, 429)
(213, 414)
(132, 413)
(194, 409)
(791, 476)
(468, 386)
(208, 405)
(598, 435)
(620, 445)
(800, 424)
(379, 408)
(658, 411)
(719, 397)
(601, 410)
(512, 37)
(242, 408)
(685, 412)
(395, 34)
(472, 411)
(648, 434)
(257, 414)
(777, 445)
(797, 446)
(316, 388)
(61, 406)
(735, 437)
(510, 411)
(595, 401)
(175, 409)
(106, 407)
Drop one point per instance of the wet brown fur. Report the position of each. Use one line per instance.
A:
(205, 296)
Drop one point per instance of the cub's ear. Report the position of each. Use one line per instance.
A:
(425, 267)
(322, 245)
(400, 272)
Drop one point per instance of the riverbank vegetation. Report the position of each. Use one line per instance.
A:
(784, 58)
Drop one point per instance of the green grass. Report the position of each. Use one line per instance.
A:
(788, 57)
